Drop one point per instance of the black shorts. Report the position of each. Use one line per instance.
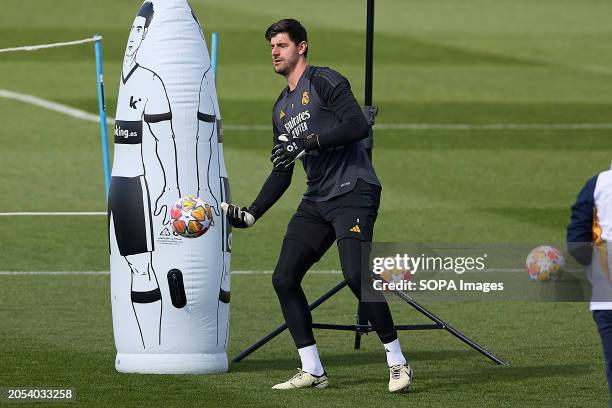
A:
(129, 209)
(350, 215)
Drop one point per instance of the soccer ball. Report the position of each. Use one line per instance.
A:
(191, 217)
(544, 263)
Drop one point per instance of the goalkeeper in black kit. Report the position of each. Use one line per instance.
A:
(317, 120)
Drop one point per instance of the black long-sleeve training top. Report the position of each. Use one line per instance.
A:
(321, 103)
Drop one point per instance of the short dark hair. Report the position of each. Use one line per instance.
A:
(293, 28)
(146, 11)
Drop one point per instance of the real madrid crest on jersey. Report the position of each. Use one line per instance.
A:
(305, 98)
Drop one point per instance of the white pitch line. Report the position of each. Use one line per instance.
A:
(237, 272)
(50, 214)
(247, 128)
(492, 126)
(104, 273)
(50, 273)
(269, 272)
(54, 45)
(52, 106)
(90, 117)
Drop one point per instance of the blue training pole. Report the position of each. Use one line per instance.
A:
(213, 53)
(102, 110)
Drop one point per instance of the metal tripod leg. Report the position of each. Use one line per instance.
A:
(360, 328)
(283, 326)
(450, 328)
(360, 322)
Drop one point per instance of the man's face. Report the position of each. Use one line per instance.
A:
(285, 54)
(136, 36)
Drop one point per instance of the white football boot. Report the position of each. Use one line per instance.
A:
(400, 377)
(303, 380)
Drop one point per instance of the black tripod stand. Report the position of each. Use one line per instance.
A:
(362, 326)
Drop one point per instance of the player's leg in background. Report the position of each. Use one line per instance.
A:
(146, 298)
(603, 318)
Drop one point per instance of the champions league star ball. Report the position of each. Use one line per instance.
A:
(191, 217)
(544, 263)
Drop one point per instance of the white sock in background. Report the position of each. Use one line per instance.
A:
(394, 353)
(311, 363)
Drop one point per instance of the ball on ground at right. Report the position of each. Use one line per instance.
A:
(544, 263)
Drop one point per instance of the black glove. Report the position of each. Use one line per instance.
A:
(289, 150)
(238, 217)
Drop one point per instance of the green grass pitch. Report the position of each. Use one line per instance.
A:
(443, 62)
